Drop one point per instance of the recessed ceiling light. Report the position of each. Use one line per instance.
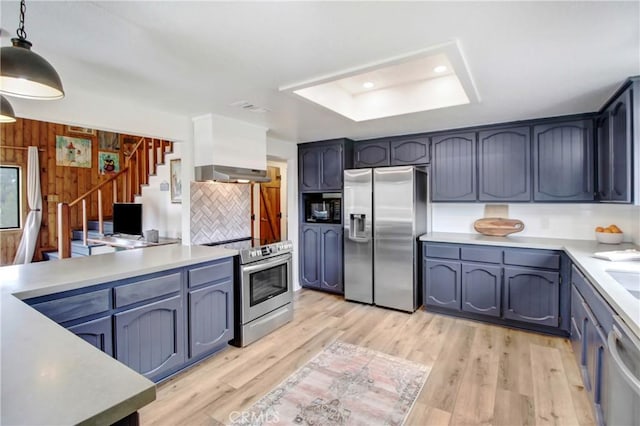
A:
(368, 84)
(440, 69)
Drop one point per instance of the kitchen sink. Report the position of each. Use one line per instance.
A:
(630, 280)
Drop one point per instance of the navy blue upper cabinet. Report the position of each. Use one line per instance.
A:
(409, 151)
(563, 161)
(453, 175)
(309, 158)
(321, 166)
(331, 167)
(371, 154)
(504, 166)
(615, 137)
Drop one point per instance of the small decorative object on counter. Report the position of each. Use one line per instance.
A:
(497, 226)
(151, 235)
(609, 235)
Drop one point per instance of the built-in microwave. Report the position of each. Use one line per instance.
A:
(323, 208)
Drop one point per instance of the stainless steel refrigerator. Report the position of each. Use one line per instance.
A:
(385, 211)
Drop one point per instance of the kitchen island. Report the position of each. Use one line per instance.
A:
(581, 254)
(48, 375)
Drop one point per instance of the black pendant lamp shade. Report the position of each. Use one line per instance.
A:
(25, 74)
(6, 111)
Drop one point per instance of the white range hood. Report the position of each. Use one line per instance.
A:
(229, 150)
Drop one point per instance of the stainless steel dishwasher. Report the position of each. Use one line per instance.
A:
(622, 376)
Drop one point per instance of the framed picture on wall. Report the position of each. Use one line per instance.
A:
(176, 180)
(81, 130)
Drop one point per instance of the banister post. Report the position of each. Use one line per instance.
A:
(64, 231)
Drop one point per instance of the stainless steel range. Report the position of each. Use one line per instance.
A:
(263, 288)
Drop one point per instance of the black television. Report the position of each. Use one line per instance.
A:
(127, 218)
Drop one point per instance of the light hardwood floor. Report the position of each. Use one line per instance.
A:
(481, 374)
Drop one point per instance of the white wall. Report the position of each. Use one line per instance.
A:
(157, 209)
(572, 221)
(288, 151)
(98, 112)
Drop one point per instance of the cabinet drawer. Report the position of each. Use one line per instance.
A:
(481, 254)
(211, 273)
(443, 251)
(147, 289)
(532, 258)
(74, 307)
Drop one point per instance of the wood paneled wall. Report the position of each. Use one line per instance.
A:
(58, 183)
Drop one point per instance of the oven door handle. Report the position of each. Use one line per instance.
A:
(266, 264)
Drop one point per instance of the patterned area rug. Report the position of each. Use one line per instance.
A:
(343, 385)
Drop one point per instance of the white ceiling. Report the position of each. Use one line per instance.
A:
(528, 59)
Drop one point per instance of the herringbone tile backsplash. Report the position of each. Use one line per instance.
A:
(219, 212)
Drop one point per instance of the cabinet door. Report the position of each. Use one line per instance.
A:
(532, 295)
(481, 289)
(577, 323)
(309, 175)
(563, 161)
(210, 318)
(604, 157)
(409, 151)
(453, 175)
(595, 347)
(331, 259)
(331, 167)
(504, 167)
(371, 154)
(442, 284)
(150, 338)
(310, 256)
(621, 148)
(97, 333)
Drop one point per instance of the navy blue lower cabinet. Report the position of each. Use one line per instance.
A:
(331, 259)
(577, 324)
(481, 289)
(310, 256)
(98, 333)
(210, 318)
(150, 338)
(532, 295)
(442, 283)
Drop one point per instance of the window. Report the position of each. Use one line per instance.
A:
(9, 197)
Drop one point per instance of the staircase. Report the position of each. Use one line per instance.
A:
(140, 165)
(79, 249)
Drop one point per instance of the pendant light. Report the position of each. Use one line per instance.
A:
(25, 74)
(6, 111)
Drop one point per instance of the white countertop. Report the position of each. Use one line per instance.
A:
(581, 253)
(50, 376)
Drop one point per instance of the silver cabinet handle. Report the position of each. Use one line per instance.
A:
(624, 370)
(266, 264)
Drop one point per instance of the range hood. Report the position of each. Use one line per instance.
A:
(229, 174)
(228, 150)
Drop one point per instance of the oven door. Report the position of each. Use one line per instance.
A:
(266, 285)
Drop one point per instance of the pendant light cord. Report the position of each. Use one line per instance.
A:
(22, 34)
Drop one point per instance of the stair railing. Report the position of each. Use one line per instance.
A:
(133, 175)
